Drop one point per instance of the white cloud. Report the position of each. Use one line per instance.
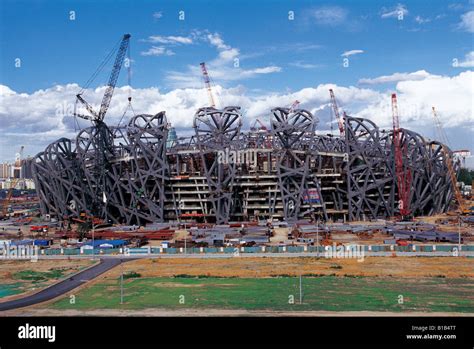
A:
(418, 75)
(157, 51)
(351, 53)
(421, 20)
(169, 39)
(302, 65)
(329, 15)
(467, 22)
(157, 15)
(222, 68)
(216, 40)
(394, 12)
(467, 63)
(36, 119)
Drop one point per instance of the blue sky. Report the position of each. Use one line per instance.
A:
(276, 55)
(56, 50)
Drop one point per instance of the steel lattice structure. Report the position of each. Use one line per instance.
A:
(221, 173)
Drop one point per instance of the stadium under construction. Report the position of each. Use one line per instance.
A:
(143, 172)
(138, 173)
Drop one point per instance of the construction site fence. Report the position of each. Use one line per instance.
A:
(255, 249)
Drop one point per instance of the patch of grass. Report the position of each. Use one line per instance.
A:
(131, 275)
(38, 276)
(10, 289)
(202, 276)
(320, 293)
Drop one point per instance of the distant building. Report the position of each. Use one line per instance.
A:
(26, 166)
(6, 170)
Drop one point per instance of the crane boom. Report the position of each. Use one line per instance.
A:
(88, 107)
(340, 121)
(403, 174)
(294, 105)
(449, 161)
(104, 106)
(207, 82)
(114, 76)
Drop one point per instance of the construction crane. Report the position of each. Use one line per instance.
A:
(14, 182)
(262, 125)
(403, 174)
(103, 141)
(207, 82)
(340, 120)
(294, 105)
(449, 162)
(97, 117)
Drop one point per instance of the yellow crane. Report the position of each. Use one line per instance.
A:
(449, 163)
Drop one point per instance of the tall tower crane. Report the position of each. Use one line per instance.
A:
(103, 141)
(403, 174)
(207, 82)
(98, 117)
(340, 120)
(449, 162)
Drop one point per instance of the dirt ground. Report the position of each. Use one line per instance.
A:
(10, 268)
(267, 267)
(214, 312)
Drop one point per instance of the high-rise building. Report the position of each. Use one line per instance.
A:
(6, 170)
(26, 168)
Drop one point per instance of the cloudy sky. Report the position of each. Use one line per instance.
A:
(259, 55)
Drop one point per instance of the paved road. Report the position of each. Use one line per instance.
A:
(63, 286)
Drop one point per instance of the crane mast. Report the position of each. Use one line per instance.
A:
(340, 120)
(207, 82)
(449, 161)
(403, 174)
(104, 106)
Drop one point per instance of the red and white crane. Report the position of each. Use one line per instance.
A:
(294, 105)
(403, 173)
(207, 82)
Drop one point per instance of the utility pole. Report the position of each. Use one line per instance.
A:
(317, 238)
(301, 289)
(121, 281)
(459, 236)
(93, 240)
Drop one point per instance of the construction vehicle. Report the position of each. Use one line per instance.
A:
(403, 173)
(463, 210)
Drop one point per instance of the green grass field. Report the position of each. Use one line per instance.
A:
(327, 293)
